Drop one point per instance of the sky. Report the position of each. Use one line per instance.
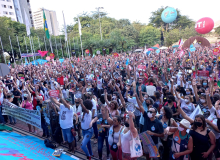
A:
(134, 10)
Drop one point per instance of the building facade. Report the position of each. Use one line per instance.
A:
(15, 9)
(52, 22)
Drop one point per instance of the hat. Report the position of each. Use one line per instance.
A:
(185, 123)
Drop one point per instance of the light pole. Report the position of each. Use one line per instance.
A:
(99, 21)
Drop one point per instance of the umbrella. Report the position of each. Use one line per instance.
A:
(154, 47)
(4, 69)
(175, 46)
(150, 49)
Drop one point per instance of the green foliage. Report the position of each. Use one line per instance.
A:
(217, 30)
(149, 36)
(117, 35)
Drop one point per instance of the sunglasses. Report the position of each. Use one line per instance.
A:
(150, 111)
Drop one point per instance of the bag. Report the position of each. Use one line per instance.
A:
(73, 132)
(135, 147)
(48, 144)
(114, 147)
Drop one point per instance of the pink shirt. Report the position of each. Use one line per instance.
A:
(27, 105)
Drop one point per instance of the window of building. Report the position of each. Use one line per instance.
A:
(3, 0)
(4, 6)
(28, 1)
(29, 12)
(11, 13)
(8, 0)
(5, 12)
(10, 7)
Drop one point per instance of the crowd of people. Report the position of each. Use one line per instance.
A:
(173, 101)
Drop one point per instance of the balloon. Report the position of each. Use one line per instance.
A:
(48, 58)
(169, 15)
(204, 25)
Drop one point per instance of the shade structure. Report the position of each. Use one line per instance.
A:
(203, 42)
(175, 46)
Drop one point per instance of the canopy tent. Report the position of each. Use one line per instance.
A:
(163, 47)
(139, 50)
(38, 61)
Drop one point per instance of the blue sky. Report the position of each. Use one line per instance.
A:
(135, 10)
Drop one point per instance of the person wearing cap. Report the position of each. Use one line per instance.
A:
(182, 143)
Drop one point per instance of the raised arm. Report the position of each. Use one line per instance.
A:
(131, 124)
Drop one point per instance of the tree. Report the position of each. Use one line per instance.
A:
(172, 36)
(149, 35)
(181, 20)
(217, 30)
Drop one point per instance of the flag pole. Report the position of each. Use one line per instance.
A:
(2, 49)
(45, 44)
(56, 46)
(51, 45)
(81, 45)
(19, 49)
(12, 50)
(61, 46)
(70, 46)
(39, 43)
(31, 49)
(26, 47)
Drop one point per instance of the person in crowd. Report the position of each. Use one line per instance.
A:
(166, 119)
(180, 138)
(113, 137)
(151, 124)
(201, 136)
(87, 131)
(128, 132)
(103, 128)
(112, 106)
(66, 120)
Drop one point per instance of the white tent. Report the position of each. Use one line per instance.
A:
(163, 47)
(139, 50)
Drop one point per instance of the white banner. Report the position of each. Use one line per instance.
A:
(32, 117)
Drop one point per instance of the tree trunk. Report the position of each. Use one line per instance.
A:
(90, 50)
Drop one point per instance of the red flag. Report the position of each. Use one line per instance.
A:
(42, 53)
(78, 59)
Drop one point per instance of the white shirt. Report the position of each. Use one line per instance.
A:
(99, 83)
(66, 117)
(86, 120)
(78, 111)
(94, 107)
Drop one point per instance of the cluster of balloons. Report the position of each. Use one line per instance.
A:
(203, 26)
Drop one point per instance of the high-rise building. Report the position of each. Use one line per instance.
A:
(52, 22)
(15, 9)
(7, 9)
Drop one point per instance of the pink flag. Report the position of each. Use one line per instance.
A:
(42, 53)
(180, 43)
(181, 53)
(78, 59)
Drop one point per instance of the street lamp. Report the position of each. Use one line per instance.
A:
(99, 20)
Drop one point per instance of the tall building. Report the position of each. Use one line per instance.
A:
(7, 9)
(52, 22)
(15, 9)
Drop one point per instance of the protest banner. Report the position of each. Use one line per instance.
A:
(103, 67)
(54, 93)
(216, 51)
(203, 74)
(141, 67)
(52, 56)
(32, 117)
(87, 51)
(148, 145)
(115, 54)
